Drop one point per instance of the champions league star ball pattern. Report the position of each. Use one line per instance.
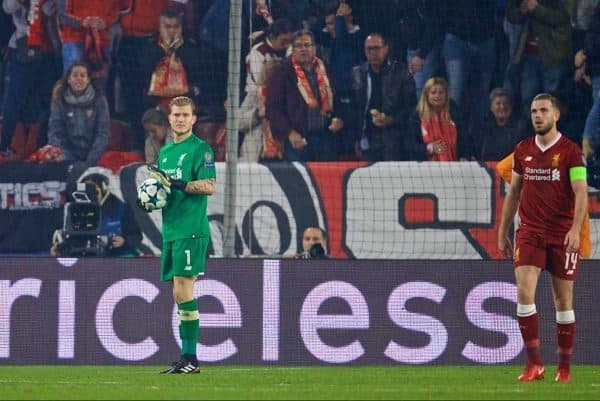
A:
(152, 194)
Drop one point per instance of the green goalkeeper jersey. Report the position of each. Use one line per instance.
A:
(185, 215)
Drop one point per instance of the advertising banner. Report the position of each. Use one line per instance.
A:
(281, 312)
(389, 210)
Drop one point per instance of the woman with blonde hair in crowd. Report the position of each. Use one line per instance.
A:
(437, 122)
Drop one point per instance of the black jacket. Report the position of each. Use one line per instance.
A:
(399, 99)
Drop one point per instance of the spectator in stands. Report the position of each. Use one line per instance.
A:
(275, 45)
(259, 143)
(299, 104)
(139, 22)
(545, 47)
(512, 71)
(437, 125)
(79, 117)
(84, 29)
(423, 33)
(340, 45)
(384, 98)
(118, 224)
(341, 48)
(31, 69)
(469, 55)
(252, 110)
(581, 18)
(170, 65)
(501, 132)
(213, 40)
(158, 132)
(588, 60)
(187, 9)
(313, 244)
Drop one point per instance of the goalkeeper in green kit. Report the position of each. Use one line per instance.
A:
(187, 167)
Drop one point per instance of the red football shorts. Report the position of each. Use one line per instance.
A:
(533, 249)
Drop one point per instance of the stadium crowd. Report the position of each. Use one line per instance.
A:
(324, 80)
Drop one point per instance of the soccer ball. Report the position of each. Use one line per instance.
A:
(152, 194)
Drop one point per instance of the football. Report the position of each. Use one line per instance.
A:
(152, 194)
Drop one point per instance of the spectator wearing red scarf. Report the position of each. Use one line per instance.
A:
(299, 104)
(437, 121)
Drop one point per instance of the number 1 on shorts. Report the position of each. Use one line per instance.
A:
(188, 260)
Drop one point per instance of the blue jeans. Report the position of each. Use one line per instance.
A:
(595, 87)
(592, 122)
(430, 67)
(14, 99)
(469, 68)
(27, 93)
(511, 72)
(535, 78)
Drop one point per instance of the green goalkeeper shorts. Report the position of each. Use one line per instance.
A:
(183, 257)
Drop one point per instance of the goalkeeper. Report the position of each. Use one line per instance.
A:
(187, 167)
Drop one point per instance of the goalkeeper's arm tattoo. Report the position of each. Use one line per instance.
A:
(205, 187)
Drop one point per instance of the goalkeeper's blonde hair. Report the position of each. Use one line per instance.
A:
(182, 101)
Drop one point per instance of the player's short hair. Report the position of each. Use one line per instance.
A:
(182, 101)
(547, 96)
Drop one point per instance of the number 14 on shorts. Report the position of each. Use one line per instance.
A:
(571, 259)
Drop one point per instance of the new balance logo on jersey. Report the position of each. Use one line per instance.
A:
(528, 158)
(164, 160)
(555, 175)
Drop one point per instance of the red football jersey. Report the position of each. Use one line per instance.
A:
(547, 199)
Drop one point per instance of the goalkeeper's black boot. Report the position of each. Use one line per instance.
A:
(183, 366)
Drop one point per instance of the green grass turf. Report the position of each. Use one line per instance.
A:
(259, 382)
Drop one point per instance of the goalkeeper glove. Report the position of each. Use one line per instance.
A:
(166, 180)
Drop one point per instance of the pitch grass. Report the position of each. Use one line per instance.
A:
(264, 383)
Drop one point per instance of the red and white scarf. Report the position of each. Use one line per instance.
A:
(305, 89)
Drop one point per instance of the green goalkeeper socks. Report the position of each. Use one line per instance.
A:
(188, 326)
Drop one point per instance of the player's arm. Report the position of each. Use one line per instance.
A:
(201, 187)
(509, 209)
(204, 182)
(579, 186)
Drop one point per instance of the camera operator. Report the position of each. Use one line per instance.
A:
(118, 225)
(313, 244)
